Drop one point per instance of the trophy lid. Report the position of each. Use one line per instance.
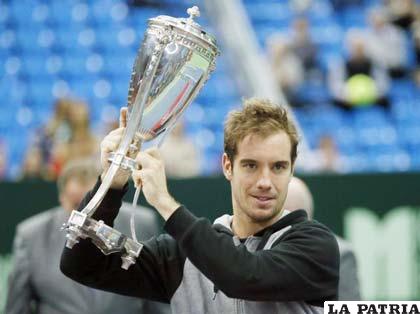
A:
(187, 25)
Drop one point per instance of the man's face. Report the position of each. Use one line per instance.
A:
(260, 176)
(73, 193)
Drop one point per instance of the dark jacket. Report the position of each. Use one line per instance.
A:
(36, 284)
(291, 266)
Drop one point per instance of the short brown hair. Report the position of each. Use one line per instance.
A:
(84, 170)
(258, 116)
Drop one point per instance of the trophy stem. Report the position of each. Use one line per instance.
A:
(130, 132)
(132, 222)
(90, 208)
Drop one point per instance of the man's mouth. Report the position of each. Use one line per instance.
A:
(262, 198)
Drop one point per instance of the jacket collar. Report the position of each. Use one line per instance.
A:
(224, 223)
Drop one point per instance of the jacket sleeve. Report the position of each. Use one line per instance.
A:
(155, 275)
(20, 295)
(348, 289)
(302, 265)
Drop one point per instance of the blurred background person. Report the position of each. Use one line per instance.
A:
(33, 167)
(325, 158)
(386, 43)
(304, 47)
(328, 155)
(70, 135)
(357, 80)
(82, 142)
(287, 67)
(300, 6)
(36, 284)
(300, 197)
(293, 56)
(402, 12)
(57, 129)
(415, 29)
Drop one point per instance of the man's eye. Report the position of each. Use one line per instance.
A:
(250, 166)
(279, 166)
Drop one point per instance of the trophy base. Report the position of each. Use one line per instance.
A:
(107, 239)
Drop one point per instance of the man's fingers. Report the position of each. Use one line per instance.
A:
(150, 158)
(154, 152)
(114, 136)
(137, 182)
(137, 178)
(123, 117)
(118, 132)
(144, 160)
(109, 146)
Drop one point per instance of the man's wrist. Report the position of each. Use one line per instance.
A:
(167, 206)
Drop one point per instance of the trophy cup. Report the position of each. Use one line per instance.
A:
(175, 59)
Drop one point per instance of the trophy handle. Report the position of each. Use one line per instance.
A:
(119, 159)
(80, 224)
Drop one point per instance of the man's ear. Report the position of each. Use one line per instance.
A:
(227, 167)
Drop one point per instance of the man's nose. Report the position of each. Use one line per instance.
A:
(264, 180)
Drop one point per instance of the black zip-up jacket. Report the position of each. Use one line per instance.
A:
(291, 266)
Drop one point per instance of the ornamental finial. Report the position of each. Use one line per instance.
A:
(193, 12)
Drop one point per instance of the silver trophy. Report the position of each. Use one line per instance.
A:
(175, 59)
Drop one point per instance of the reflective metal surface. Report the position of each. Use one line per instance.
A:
(184, 66)
(174, 61)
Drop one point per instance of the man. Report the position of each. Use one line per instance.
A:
(260, 253)
(300, 197)
(346, 77)
(36, 284)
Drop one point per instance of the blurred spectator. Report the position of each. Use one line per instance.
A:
(358, 81)
(300, 197)
(81, 142)
(386, 44)
(59, 157)
(402, 12)
(33, 167)
(57, 129)
(416, 37)
(294, 60)
(325, 158)
(304, 47)
(182, 159)
(287, 67)
(300, 6)
(36, 284)
(328, 155)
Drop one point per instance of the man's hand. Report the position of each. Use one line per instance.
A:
(152, 178)
(110, 144)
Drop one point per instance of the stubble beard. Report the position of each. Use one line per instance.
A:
(261, 216)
